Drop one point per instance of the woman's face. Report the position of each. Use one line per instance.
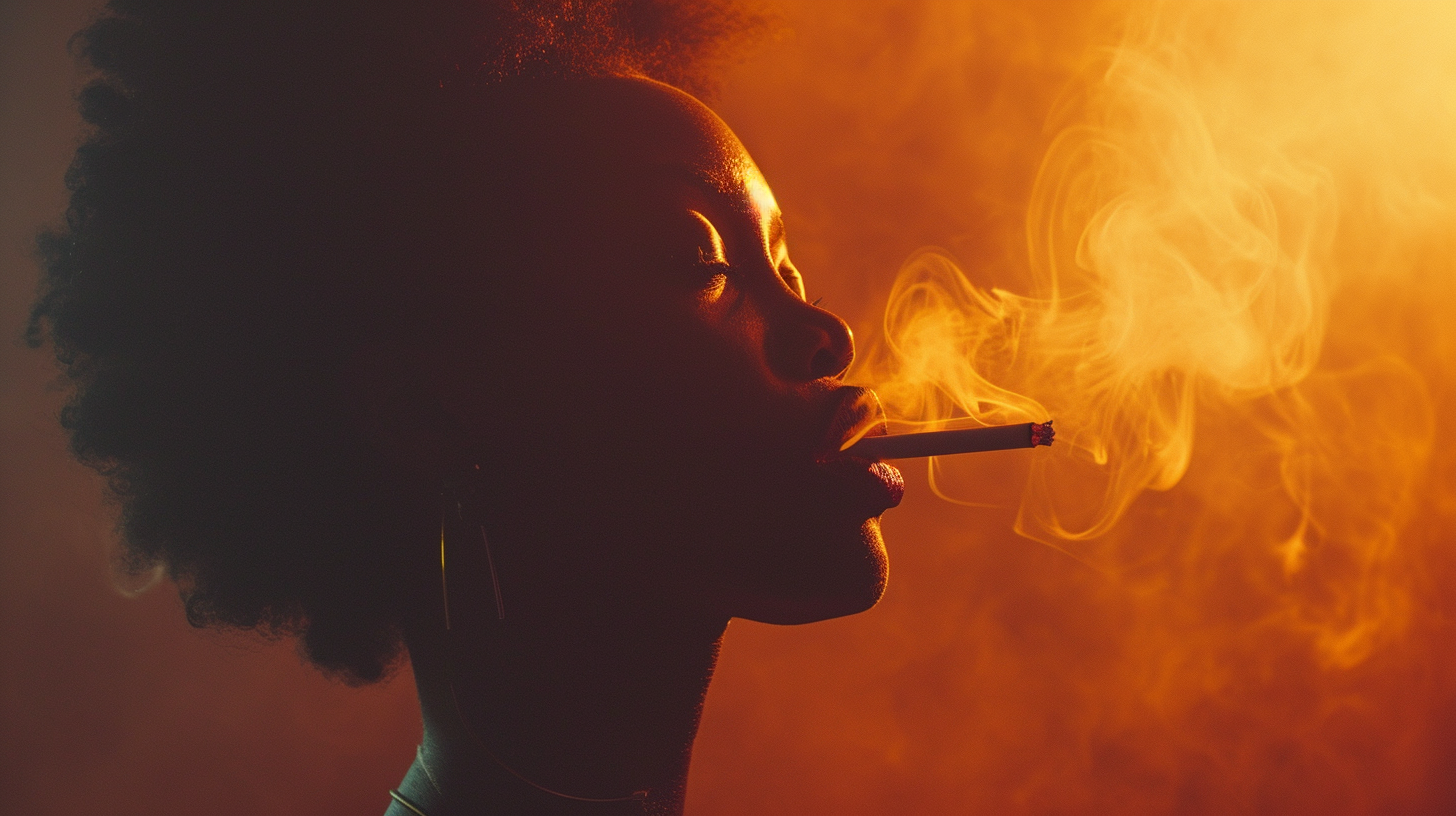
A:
(650, 387)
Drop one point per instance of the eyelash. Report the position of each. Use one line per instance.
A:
(720, 270)
(705, 260)
(716, 272)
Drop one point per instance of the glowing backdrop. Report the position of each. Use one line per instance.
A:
(1215, 241)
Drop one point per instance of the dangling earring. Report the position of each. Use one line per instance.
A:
(453, 500)
(460, 510)
(446, 500)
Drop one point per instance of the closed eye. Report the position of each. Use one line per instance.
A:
(710, 250)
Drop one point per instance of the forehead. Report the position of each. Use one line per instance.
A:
(634, 133)
(648, 126)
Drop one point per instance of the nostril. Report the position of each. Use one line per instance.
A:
(805, 344)
(825, 364)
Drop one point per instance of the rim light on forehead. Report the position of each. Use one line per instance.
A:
(761, 195)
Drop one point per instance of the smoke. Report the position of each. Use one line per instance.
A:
(1181, 241)
(1216, 242)
(1270, 634)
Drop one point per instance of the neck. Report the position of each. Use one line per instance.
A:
(595, 701)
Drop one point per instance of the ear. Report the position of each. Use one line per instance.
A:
(393, 403)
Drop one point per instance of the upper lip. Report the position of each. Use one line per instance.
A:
(857, 414)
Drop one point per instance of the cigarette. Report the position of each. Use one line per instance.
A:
(943, 443)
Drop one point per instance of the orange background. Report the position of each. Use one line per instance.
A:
(998, 675)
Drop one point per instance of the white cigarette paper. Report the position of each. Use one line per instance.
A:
(944, 443)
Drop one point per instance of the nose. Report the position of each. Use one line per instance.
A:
(809, 343)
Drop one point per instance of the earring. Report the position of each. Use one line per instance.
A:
(461, 518)
(459, 509)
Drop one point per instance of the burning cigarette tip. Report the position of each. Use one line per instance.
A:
(1042, 433)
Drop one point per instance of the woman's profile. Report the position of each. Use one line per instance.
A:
(456, 331)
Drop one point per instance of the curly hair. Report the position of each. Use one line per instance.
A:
(257, 195)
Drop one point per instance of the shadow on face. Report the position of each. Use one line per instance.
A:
(653, 402)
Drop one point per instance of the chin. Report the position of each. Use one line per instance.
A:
(844, 574)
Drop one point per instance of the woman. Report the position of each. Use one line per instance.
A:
(449, 330)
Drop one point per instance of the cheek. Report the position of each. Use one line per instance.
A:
(646, 409)
(696, 380)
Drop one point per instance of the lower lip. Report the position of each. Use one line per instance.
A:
(875, 485)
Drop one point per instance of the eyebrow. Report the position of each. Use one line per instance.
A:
(695, 176)
(776, 229)
(712, 183)
(719, 188)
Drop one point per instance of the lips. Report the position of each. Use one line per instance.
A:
(870, 485)
(859, 414)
